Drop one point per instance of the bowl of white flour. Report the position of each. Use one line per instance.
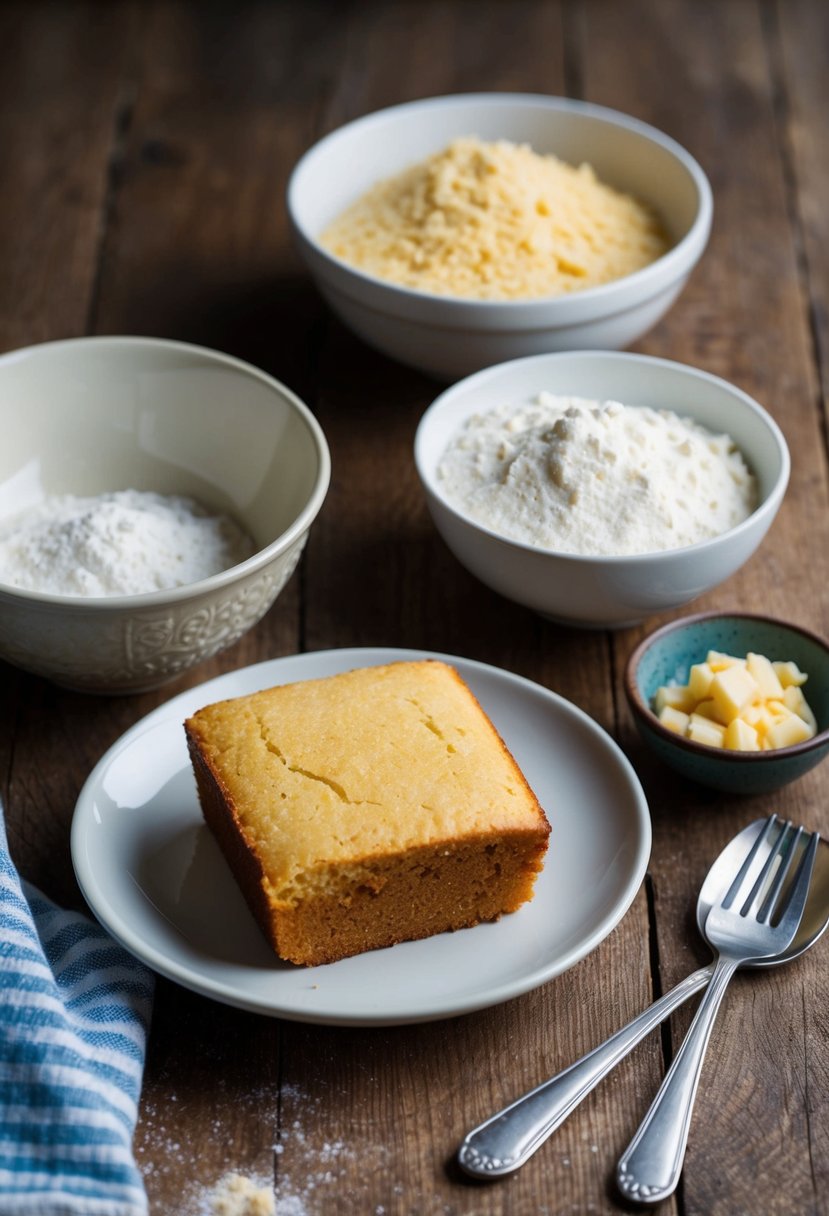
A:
(600, 487)
(155, 498)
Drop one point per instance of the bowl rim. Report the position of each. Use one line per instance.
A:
(669, 267)
(251, 565)
(716, 755)
(768, 506)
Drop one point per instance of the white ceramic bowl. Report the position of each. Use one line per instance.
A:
(451, 337)
(606, 592)
(97, 414)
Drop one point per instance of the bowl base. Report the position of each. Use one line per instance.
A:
(572, 623)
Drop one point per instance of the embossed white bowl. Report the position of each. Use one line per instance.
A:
(96, 414)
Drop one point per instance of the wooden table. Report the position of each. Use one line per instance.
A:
(145, 151)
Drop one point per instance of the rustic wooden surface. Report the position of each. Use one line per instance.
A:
(144, 150)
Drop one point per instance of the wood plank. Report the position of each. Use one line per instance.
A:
(57, 136)
(197, 248)
(742, 317)
(198, 245)
(210, 1103)
(799, 35)
(61, 106)
(65, 99)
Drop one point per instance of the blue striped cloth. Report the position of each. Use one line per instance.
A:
(74, 1015)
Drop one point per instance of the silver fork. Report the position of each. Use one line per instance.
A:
(740, 929)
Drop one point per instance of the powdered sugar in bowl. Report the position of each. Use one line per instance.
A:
(155, 498)
(121, 542)
(499, 505)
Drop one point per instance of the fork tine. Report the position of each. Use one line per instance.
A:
(769, 900)
(795, 901)
(762, 897)
(748, 870)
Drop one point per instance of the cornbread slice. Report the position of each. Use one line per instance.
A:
(367, 808)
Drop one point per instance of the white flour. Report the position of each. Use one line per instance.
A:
(123, 543)
(601, 478)
(240, 1195)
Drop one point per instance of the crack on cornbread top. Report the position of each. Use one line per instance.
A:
(429, 722)
(333, 785)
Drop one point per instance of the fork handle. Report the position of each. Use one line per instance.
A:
(508, 1139)
(649, 1169)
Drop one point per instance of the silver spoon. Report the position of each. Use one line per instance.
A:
(758, 918)
(506, 1140)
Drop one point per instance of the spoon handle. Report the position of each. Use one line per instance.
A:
(508, 1139)
(649, 1169)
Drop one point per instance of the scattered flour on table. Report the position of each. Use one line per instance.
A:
(309, 1175)
(239, 1195)
(235, 1184)
(123, 543)
(596, 478)
(310, 1185)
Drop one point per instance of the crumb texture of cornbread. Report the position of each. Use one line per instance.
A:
(367, 808)
(496, 221)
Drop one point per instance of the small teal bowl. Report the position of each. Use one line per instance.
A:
(666, 656)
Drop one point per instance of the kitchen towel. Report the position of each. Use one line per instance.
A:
(74, 1015)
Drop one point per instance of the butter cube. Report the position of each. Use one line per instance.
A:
(699, 680)
(718, 661)
(708, 709)
(676, 696)
(788, 731)
(740, 737)
(794, 700)
(732, 689)
(749, 704)
(760, 718)
(674, 719)
(789, 673)
(765, 675)
(703, 730)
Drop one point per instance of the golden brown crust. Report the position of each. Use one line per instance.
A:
(429, 891)
(221, 817)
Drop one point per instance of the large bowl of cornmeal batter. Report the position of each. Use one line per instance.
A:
(453, 233)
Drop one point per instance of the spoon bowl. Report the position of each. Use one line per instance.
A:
(816, 914)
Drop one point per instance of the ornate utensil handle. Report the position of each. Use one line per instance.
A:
(505, 1141)
(649, 1170)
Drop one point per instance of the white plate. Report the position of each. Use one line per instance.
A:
(154, 877)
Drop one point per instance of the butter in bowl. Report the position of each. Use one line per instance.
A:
(764, 717)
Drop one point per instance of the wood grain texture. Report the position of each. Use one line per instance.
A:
(146, 148)
(745, 317)
(59, 133)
